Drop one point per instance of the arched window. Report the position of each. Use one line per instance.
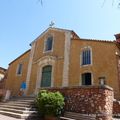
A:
(86, 56)
(86, 79)
(49, 43)
(46, 76)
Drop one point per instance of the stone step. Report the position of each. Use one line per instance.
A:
(66, 118)
(17, 107)
(79, 116)
(16, 115)
(18, 103)
(15, 104)
(21, 108)
(18, 111)
(23, 100)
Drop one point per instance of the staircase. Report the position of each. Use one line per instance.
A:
(19, 107)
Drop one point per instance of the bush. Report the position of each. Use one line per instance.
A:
(50, 103)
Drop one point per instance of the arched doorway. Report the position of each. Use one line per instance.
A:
(46, 76)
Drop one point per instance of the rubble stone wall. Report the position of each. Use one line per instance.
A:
(116, 108)
(92, 100)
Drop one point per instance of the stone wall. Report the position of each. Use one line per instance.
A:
(116, 108)
(93, 100)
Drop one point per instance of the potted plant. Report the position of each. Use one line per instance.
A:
(50, 104)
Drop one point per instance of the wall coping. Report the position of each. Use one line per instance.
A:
(82, 87)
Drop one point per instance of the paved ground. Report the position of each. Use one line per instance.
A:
(2, 117)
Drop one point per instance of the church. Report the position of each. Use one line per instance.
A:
(60, 58)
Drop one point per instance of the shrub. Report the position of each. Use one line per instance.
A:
(50, 103)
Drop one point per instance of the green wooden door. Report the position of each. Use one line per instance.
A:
(46, 76)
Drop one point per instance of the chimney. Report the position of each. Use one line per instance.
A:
(117, 36)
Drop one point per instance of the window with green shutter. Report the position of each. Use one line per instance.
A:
(46, 76)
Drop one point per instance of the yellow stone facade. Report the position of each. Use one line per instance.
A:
(13, 80)
(65, 59)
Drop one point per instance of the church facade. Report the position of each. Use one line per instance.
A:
(60, 58)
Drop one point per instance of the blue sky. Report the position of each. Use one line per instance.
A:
(21, 21)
